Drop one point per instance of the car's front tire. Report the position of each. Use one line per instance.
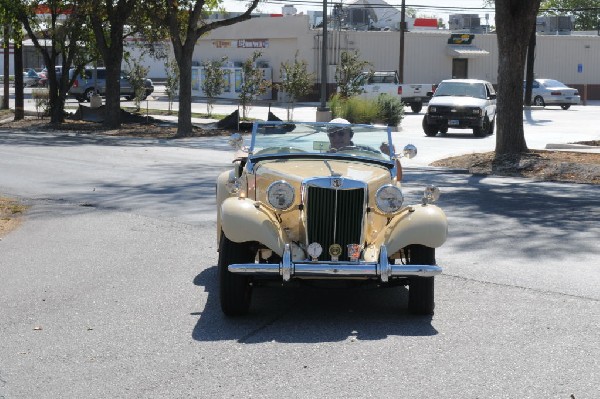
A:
(430, 130)
(421, 289)
(539, 101)
(89, 93)
(235, 290)
(565, 106)
(483, 130)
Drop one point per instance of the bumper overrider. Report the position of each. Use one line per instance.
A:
(381, 270)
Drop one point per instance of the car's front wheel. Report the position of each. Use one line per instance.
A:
(430, 130)
(565, 106)
(89, 93)
(421, 289)
(235, 290)
(483, 130)
(539, 101)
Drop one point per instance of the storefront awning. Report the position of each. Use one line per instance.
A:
(462, 51)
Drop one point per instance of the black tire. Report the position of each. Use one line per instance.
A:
(416, 107)
(484, 129)
(565, 106)
(430, 130)
(492, 125)
(539, 101)
(235, 290)
(421, 289)
(87, 95)
(444, 130)
(129, 98)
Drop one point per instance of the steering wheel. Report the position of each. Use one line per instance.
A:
(280, 150)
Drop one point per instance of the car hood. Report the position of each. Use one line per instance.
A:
(457, 101)
(297, 170)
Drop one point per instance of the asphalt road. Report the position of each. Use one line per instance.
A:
(109, 288)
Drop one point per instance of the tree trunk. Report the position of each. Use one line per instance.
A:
(530, 65)
(184, 119)
(6, 71)
(514, 21)
(112, 116)
(19, 97)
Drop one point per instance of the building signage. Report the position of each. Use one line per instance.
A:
(461, 38)
(241, 43)
(253, 43)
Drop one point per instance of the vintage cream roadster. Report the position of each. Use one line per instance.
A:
(318, 201)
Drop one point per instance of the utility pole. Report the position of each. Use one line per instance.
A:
(323, 113)
(402, 28)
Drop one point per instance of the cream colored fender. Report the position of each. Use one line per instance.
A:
(418, 224)
(222, 194)
(243, 219)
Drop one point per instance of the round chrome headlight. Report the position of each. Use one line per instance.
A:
(280, 195)
(389, 198)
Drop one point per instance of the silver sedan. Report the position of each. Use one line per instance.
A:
(552, 92)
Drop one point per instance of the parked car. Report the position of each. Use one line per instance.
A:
(44, 75)
(461, 104)
(552, 92)
(93, 80)
(323, 201)
(30, 78)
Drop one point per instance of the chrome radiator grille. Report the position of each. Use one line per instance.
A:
(334, 216)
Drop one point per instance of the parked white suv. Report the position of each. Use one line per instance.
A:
(461, 104)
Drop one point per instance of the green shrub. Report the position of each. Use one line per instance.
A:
(391, 109)
(385, 108)
(41, 99)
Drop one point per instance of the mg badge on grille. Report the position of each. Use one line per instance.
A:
(336, 183)
(335, 250)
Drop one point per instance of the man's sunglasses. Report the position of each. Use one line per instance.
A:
(339, 132)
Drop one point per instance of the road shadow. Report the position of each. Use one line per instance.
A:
(308, 314)
(543, 217)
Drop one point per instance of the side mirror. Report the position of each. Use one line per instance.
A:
(429, 94)
(237, 142)
(409, 151)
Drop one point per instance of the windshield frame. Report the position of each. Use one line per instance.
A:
(321, 128)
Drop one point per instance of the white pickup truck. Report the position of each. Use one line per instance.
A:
(376, 83)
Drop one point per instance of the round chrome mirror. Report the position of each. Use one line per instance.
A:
(409, 151)
(236, 141)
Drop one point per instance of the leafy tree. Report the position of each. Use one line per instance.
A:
(137, 78)
(108, 19)
(515, 20)
(5, 23)
(184, 21)
(296, 81)
(213, 82)
(62, 28)
(172, 81)
(346, 72)
(586, 12)
(13, 29)
(253, 82)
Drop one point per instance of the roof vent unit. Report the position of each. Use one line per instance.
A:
(465, 23)
(288, 10)
(554, 25)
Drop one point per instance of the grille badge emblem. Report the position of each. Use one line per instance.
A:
(336, 183)
(335, 250)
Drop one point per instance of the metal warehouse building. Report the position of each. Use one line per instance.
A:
(430, 56)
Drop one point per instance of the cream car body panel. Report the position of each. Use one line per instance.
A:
(243, 219)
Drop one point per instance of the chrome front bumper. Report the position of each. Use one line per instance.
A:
(382, 270)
